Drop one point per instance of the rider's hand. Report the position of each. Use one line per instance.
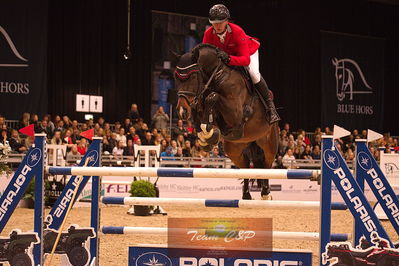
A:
(224, 56)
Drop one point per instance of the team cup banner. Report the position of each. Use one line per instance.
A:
(352, 80)
(220, 237)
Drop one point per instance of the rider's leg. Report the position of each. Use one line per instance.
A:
(261, 86)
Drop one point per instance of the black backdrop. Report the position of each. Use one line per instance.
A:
(87, 40)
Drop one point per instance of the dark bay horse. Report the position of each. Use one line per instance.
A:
(221, 101)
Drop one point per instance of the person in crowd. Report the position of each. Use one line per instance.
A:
(57, 119)
(82, 146)
(289, 159)
(127, 124)
(191, 131)
(57, 138)
(121, 137)
(157, 140)
(99, 132)
(67, 122)
(134, 114)
(316, 153)
(215, 152)
(74, 151)
(328, 131)
(173, 144)
(59, 126)
(283, 142)
(167, 153)
(305, 139)
(297, 152)
(187, 149)
(113, 142)
(68, 139)
(286, 127)
(180, 140)
(47, 117)
(164, 132)
(160, 119)
(164, 145)
(148, 139)
(107, 126)
(317, 140)
(179, 129)
(34, 119)
(131, 133)
(196, 149)
(90, 123)
(101, 122)
(4, 136)
(76, 136)
(129, 149)
(349, 155)
(16, 143)
(25, 120)
(84, 127)
(106, 146)
(4, 126)
(307, 153)
(300, 144)
(45, 128)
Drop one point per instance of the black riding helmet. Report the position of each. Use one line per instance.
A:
(218, 13)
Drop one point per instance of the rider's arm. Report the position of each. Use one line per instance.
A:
(242, 59)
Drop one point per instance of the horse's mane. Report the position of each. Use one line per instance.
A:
(196, 49)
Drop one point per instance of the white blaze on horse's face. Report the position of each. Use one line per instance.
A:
(181, 111)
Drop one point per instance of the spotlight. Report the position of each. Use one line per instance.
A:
(128, 54)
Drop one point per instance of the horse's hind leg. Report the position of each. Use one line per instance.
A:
(235, 152)
(269, 145)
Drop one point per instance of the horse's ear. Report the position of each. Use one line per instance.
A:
(176, 56)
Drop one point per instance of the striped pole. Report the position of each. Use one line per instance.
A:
(307, 236)
(187, 172)
(248, 204)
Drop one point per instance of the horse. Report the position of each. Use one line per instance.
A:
(221, 101)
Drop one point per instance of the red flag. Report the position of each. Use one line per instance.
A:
(88, 134)
(29, 130)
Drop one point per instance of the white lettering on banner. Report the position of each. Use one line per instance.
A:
(20, 180)
(190, 261)
(388, 200)
(14, 87)
(67, 198)
(355, 200)
(355, 109)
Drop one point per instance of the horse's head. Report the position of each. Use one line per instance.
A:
(188, 80)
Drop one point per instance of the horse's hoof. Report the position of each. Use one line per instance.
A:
(267, 197)
(246, 196)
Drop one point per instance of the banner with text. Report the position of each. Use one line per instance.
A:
(352, 81)
(23, 57)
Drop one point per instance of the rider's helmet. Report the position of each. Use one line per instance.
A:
(218, 13)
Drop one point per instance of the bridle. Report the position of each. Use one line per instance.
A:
(195, 68)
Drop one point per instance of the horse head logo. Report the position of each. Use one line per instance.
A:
(13, 49)
(345, 78)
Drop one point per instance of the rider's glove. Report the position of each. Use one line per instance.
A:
(224, 56)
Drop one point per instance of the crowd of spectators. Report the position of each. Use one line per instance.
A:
(178, 141)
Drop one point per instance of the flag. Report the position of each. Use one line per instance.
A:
(88, 134)
(29, 130)
(372, 135)
(340, 132)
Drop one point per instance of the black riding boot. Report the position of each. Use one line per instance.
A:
(261, 86)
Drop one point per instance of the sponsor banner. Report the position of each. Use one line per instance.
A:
(352, 76)
(368, 169)
(389, 164)
(23, 57)
(220, 237)
(139, 256)
(336, 169)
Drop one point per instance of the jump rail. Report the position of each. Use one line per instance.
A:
(187, 172)
(278, 235)
(187, 202)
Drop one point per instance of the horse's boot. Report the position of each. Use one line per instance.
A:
(262, 88)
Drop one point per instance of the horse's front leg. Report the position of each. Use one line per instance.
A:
(235, 152)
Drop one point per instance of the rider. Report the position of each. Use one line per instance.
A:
(238, 49)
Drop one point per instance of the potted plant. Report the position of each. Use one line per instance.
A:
(142, 188)
(28, 199)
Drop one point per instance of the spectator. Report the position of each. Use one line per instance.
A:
(180, 141)
(328, 131)
(164, 145)
(196, 149)
(286, 127)
(50, 123)
(16, 143)
(57, 139)
(187, 149)
(157, 140)
(215, 153)
(4, 137)
(316, 153)
(121, 137)
(107, 127)
(45, 128)
(148, 139)
(3, 125)
(349, 155)
(106, 146)
(57, 119)
(179, 129)
(76, 136)
(34, 119)
(173, 144)
(59, 126)
(82, 146)
(134, 114)
(113, 142)
(289, 159)
(305, 139)
(28, 142)
(297, 152)
(67, 122)
(129, 149)
(101, 122)
(317, 140)
(179, 152)
(74, 151)
(127, 124)
(160, 119)
(68, 139)
(167, 153)
(90, 123)
(191, 132)
(25, 120)
(307, 154)
(131, 133)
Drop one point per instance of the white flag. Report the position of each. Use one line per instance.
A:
(340, 132)
(372, 135)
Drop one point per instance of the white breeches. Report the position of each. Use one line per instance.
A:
(254, 68)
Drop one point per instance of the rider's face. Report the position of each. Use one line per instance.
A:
(220, 27)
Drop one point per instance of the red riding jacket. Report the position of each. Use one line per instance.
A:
(236, 44)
